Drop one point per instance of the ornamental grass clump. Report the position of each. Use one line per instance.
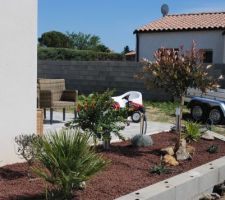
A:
(67, 161)
(192, 131)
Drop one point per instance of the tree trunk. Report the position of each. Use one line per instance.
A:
(179, 131)
(106, 144)
(180, 118)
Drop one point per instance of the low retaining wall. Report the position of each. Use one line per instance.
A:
(190, 185)
(89, 76)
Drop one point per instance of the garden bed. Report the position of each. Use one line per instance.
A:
(128, 171)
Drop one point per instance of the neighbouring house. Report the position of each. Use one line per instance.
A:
(172, 31)
(130, 56)
(18, 72)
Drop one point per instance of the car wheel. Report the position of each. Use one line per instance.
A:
(198, 112)
(136, 116)
(216, 115)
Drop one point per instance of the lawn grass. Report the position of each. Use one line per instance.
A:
(165, 112)
(162, 111)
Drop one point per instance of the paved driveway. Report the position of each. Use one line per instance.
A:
(128, 132)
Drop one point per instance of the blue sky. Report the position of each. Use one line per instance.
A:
(113, 20)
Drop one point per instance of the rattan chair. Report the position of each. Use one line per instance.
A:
(53, 95)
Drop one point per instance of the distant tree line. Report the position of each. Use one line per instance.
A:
(75, 46)
(77, 41)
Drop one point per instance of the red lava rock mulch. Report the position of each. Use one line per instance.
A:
(128, 171)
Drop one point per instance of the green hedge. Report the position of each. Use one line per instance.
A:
(79, 55)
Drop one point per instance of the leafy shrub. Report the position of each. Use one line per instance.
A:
(192, 131)
(97, 116)
(26, 147)
(68, 160)
(213, 149)
(78, 55)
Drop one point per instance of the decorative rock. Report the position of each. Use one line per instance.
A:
(203, 130)
(168, 150)
(216, 196)
(219, 189)
(212, 196)
(82, 185)
(170, 160)
(142, 140)
(190, 150)
(208, 135)
(182, 153)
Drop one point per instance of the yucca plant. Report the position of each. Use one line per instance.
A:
(192, 131)
(67, 160)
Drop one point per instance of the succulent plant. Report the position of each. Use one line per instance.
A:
(159, 168)
(213, 149)
(141, 140)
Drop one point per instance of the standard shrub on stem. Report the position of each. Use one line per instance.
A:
(67, 160)
(98, 116)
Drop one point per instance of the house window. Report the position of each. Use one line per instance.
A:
(208, 56)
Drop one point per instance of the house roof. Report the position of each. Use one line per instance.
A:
(131, 53)
(182, 22)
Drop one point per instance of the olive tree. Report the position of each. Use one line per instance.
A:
(177, 70)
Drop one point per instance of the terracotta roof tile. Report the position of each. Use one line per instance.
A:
(192, 21)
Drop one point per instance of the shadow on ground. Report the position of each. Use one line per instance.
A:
(8, 174)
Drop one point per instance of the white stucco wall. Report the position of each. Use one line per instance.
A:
(223, 48)
(18, 66)
(149, 42)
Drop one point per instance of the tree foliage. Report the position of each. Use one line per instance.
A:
(176, 71)
(78, 41)
(54, 39)
(82, 41)
(126, 49)
(98, 116)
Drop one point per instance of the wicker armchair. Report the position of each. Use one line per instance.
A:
(53, 95)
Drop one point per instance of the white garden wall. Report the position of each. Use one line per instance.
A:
(18, 66)
(149, 42)
(224, 47)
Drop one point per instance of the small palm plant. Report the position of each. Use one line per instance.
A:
(67, 160)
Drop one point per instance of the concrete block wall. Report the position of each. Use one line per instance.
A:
(89, 76)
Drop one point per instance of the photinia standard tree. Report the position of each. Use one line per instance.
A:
(176, 71)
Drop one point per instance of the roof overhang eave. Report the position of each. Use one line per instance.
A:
(180, 30)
